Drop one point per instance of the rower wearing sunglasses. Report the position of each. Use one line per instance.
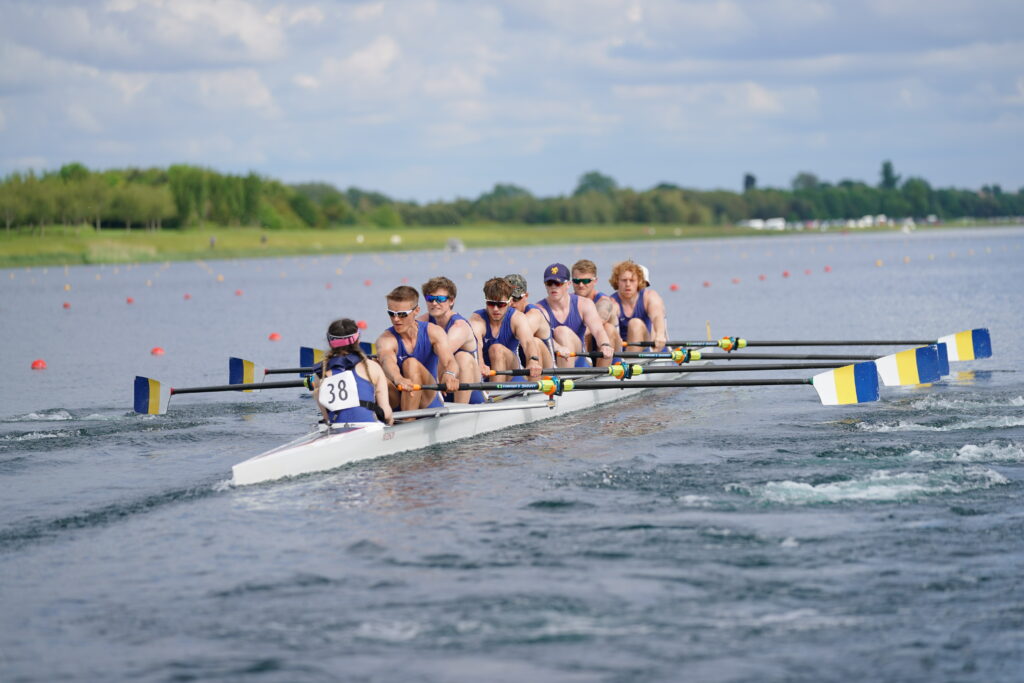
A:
(584, 284)
(571, 318)
(503, 330)
(410, 352)
(440, 294)
(537, 318)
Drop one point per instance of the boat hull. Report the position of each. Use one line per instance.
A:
(323, 451)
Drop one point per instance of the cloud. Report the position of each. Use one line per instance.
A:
(83, 119)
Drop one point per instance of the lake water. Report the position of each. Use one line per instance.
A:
(740, 534)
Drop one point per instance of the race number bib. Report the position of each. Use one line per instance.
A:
(339, 391)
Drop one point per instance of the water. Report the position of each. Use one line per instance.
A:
(733, 534)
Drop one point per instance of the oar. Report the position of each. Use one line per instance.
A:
(966, 345)
(843, 386)
(152, 397)
(623, 371)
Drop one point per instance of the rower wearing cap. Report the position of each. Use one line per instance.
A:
(584, 284)
(535, 315)
(571, 317)
(350, 387)
(503, 330)
(411, 350)
(641, 309)
(440, 293)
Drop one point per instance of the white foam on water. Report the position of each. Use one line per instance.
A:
(694, 501)
(950, 403)
(992, 422)
(879, 485)
(992, 451)
(34, 436)
(43, 416)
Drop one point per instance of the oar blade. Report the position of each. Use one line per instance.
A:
(969, 344)
(369, 348)
(910, 367)
(308, 356)
(847, 385)
(943, 351)
(241, 371)
(151, 397)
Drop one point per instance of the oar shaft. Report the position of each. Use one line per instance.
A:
(639, 384)
(743, 368)
(741, 356)
(288, 371)
(240, 387)
(795, 342)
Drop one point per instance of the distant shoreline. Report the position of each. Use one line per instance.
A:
(84, 245)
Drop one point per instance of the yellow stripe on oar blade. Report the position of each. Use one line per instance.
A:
(910, 367)
(241, 371)
(847, 385)
(969, 344)
(151, 397)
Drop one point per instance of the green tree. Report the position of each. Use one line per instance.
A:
(918, 195)
(595, 182)
(889, 178)
(805, 181)
(749, 182)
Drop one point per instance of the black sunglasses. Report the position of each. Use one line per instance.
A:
(496, 304)
(582, 280)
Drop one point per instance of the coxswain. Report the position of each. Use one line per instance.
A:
(641, 309)
(350, 388)
(571, 317)
(537, 318)
(584, 285)
(440, 293)
(410, 352)
(503, 330)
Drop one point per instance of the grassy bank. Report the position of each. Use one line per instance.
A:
(82, 245)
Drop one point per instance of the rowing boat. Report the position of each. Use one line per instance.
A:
(327, 449)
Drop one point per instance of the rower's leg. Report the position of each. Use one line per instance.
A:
(413, 400)
(469, 371)
(501, 358)
(637, 332)
(567, 338)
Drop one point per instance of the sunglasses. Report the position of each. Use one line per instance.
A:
(497, 304)
(431, 298)
(582, 280)
(401, 314)
(553, 283)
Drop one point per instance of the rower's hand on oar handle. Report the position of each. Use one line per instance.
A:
(606, 351)
(563, 351)
(534, 366)
(450, 380)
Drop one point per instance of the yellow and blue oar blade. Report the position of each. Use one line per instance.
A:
(241, 371)
(308, 356)
(849, 384)
(943, 358)
(151, 397)
(913, 366)
(969, 344)
(369, 348)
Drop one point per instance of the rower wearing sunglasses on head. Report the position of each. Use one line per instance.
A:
(641, 309)
(571, 318)
(462, 341)
(503, 330)
(584, 284)
(412, 351)
(537, 318)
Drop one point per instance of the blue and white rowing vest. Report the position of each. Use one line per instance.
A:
(505, 337)
(365, 392)
(574, 321)
(423, 352)
(476, 396)
(638, 312)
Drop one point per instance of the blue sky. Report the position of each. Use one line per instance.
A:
(435, 99)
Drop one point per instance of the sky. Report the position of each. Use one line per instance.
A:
(438, 99)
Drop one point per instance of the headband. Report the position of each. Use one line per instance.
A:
(338, 342)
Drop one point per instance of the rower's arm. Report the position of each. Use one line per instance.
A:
(524, 333)
(387, 356)
(594, 323)
(380, 390)
(458, 335)
(608, 310)
(655, 306)
(449, 375)
(477, 323)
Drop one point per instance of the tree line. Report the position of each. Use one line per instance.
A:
(183, 196)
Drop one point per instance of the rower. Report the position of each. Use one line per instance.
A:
(503, 330)
(571, 317)
(350, 388)
(641, 309)
(410, 351)
(535, 315)
(584, 284)
(440, 293)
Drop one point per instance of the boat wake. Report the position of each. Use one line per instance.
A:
(878, 485)
(989, 422)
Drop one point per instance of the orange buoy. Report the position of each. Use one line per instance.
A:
(157, 351)
(735, 280)
(762, 277)
(274, 336)
(673, 287)
(367, 283)
(129, 300)
(327, 286)
(828, 269)
(706, 283)
(238, 292)
(187, 296)
(785, 273)
(66, 305)
(807, 271)
(361, 324)
(39, 364)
